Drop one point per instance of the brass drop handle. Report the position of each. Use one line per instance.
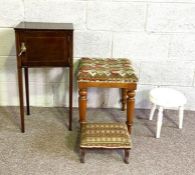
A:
(23, 49)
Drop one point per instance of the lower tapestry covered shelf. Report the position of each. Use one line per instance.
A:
(105, 136)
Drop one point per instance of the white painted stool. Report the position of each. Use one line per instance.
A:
(166, 98)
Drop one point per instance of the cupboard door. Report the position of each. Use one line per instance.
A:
(48, 48)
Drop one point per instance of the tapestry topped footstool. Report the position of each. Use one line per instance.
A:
(105, 136)
(106, 73)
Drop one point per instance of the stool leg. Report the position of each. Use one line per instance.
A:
(152, 112)
(82, 151)
(159, 122)
(181, 110)
(130, 109)
(82, 104)
(126, 158)
(124, 99)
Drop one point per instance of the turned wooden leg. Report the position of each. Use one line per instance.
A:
(82, 104)
(130, 109)
(82, 152)
(70, 96)
(126, 157)
(27, 90)
(124, 99)
(20, 86)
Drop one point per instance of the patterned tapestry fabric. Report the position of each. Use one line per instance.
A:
(105, 135)
(107, 69)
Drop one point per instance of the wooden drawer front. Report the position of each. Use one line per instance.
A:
(46, 48)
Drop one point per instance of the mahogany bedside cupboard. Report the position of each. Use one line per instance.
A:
(43, 45)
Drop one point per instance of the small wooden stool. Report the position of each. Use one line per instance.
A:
(166, 98)
(107, 73)
(105, 136)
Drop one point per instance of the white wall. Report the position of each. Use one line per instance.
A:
(158, 35)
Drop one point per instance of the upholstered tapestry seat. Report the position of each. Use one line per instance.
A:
(106, 136)
(107, 69)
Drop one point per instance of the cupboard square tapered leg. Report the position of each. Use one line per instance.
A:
(70, 96)
(27, 91)
(21, 99)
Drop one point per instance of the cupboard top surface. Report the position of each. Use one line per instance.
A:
(44, 26)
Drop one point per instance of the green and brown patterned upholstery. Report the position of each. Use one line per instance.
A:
(105, 135)
(107, 69)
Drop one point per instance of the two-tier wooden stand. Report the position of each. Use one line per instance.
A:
(43, 45)
(106, 73)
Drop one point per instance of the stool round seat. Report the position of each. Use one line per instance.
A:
(167, 97)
